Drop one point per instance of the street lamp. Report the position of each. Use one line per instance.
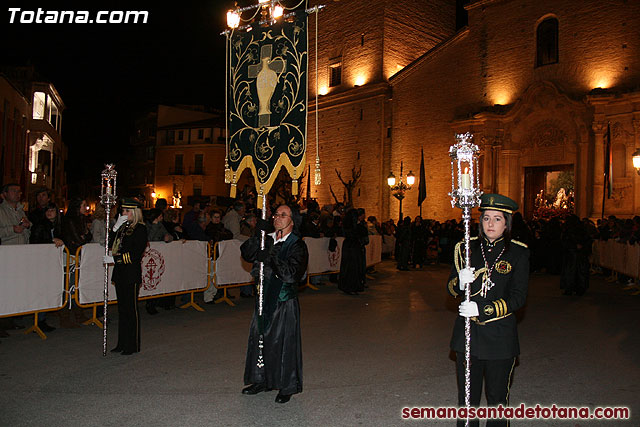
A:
(400, 188)
(636, 160)
(270, 11)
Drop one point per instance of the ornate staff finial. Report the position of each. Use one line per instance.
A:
(465, 184)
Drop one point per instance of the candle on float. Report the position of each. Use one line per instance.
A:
(109, 188)
(465, 180)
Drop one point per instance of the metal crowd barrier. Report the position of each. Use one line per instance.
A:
(618, 257)
(65, 294)
(70, 290)
(321, 262)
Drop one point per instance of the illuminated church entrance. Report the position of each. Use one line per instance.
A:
(548, 189)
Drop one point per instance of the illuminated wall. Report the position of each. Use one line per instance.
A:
(494, 62)
(372, 40)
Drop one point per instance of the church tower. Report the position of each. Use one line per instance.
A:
(361, 44)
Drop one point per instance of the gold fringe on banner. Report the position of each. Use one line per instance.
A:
(232, 192)
(283, 161)
(227, 172)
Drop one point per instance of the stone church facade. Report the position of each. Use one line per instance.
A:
(539, 84)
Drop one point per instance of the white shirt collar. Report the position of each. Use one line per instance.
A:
(273, 235)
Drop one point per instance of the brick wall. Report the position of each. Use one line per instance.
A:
(494, 64)
(355, 122)
(413, 27)
(350, 136)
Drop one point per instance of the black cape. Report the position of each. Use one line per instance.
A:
(353, 262)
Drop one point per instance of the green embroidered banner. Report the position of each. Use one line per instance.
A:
(267, 102)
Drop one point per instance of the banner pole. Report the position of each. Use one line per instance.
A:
(263, 238)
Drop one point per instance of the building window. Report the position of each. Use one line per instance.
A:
(53, 115)
(201, 134)
(180, 135)
(198, 164)
(547, 42)
(335, 74)
(39, 99)
(177, 166)
(171, 137)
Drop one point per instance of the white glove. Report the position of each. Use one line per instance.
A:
(468, 309)
(466, 276)
(119, 222)
(108, 259)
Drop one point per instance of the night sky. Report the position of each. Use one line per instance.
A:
(109, 74)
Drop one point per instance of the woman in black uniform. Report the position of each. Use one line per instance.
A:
(499, 278)
(129, 244)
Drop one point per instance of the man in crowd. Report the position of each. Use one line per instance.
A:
(215, 229)
(233, 218)
(15, 230)
(43, 197)
(14, 224)
(191, 219)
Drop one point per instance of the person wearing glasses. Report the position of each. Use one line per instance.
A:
(285, 259)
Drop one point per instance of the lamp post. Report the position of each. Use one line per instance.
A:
(400, 188)
(636, 160)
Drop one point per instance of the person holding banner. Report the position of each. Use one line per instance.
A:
(129, 244)
(285, 259)
(499, 278)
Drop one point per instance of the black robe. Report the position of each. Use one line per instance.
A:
(282, 349)
(576, 248)
(403, 247)
(353, 261)
(418, 243)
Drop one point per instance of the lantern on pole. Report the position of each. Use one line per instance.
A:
(465, 194)
(108, 200)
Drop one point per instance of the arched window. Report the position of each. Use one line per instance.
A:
(547, 42)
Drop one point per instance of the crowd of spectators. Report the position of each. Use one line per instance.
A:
(559, 245)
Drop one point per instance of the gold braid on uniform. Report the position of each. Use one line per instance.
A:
(524, 245)
(499, 306)
(458, 260)
(124, 258)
